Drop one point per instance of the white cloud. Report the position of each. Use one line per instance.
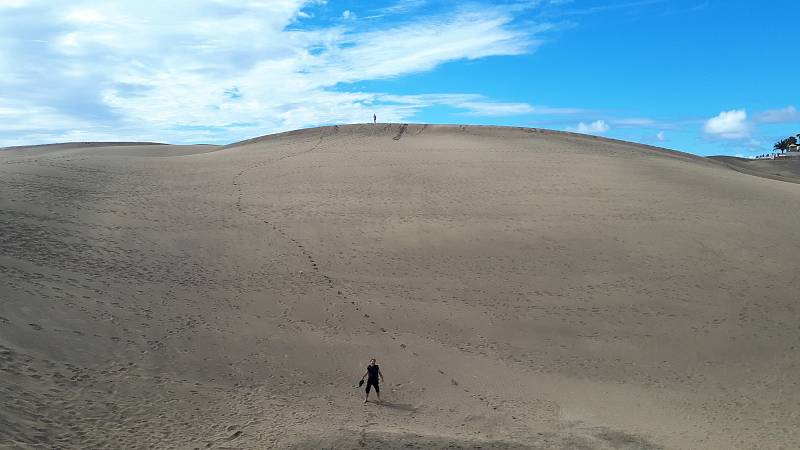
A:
(84, 15)
(642, 122)
(347, 14)
(783, 115)
(474, 105)
(596, 127)
(634, 122)
(497, 108)
(401, 6)
(729, 125)
(13, 3)
(660, 137)
(557, 111)
(127, 70)
(611, 6)
(419, 47)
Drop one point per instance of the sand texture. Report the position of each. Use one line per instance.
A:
(520, 289)
(784, 170)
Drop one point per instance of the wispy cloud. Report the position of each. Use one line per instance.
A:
(610, 6)
(401, 6)
(124, 70)
(643, 123)
(783, 115)
(13, 3)
(473, 105)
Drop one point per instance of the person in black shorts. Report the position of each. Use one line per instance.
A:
(372, 374)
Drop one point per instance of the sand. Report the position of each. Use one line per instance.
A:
(519, 288)
(783, 170)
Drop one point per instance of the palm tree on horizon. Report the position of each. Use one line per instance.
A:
(782, 145)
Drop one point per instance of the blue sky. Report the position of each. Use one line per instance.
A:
(707, 77)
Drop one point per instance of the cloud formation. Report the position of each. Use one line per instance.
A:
(596, 127)
(124, 70)
(783, 115)
(729, 125)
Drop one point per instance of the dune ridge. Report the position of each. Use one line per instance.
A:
(788, 170)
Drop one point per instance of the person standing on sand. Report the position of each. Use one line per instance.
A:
(372, 374)
(374, 118)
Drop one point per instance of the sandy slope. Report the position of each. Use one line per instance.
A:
(783, 170)
(520, 289)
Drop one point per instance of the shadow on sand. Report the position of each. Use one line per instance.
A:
(587, 439)
(398, 406)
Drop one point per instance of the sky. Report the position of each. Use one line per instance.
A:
(701, 76)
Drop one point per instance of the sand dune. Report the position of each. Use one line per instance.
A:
(783, 170)
(520, 289)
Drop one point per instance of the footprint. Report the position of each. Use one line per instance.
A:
(35, 326)
(234, 436)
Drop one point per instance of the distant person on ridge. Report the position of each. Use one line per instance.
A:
(372, 374)
(374, 118)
